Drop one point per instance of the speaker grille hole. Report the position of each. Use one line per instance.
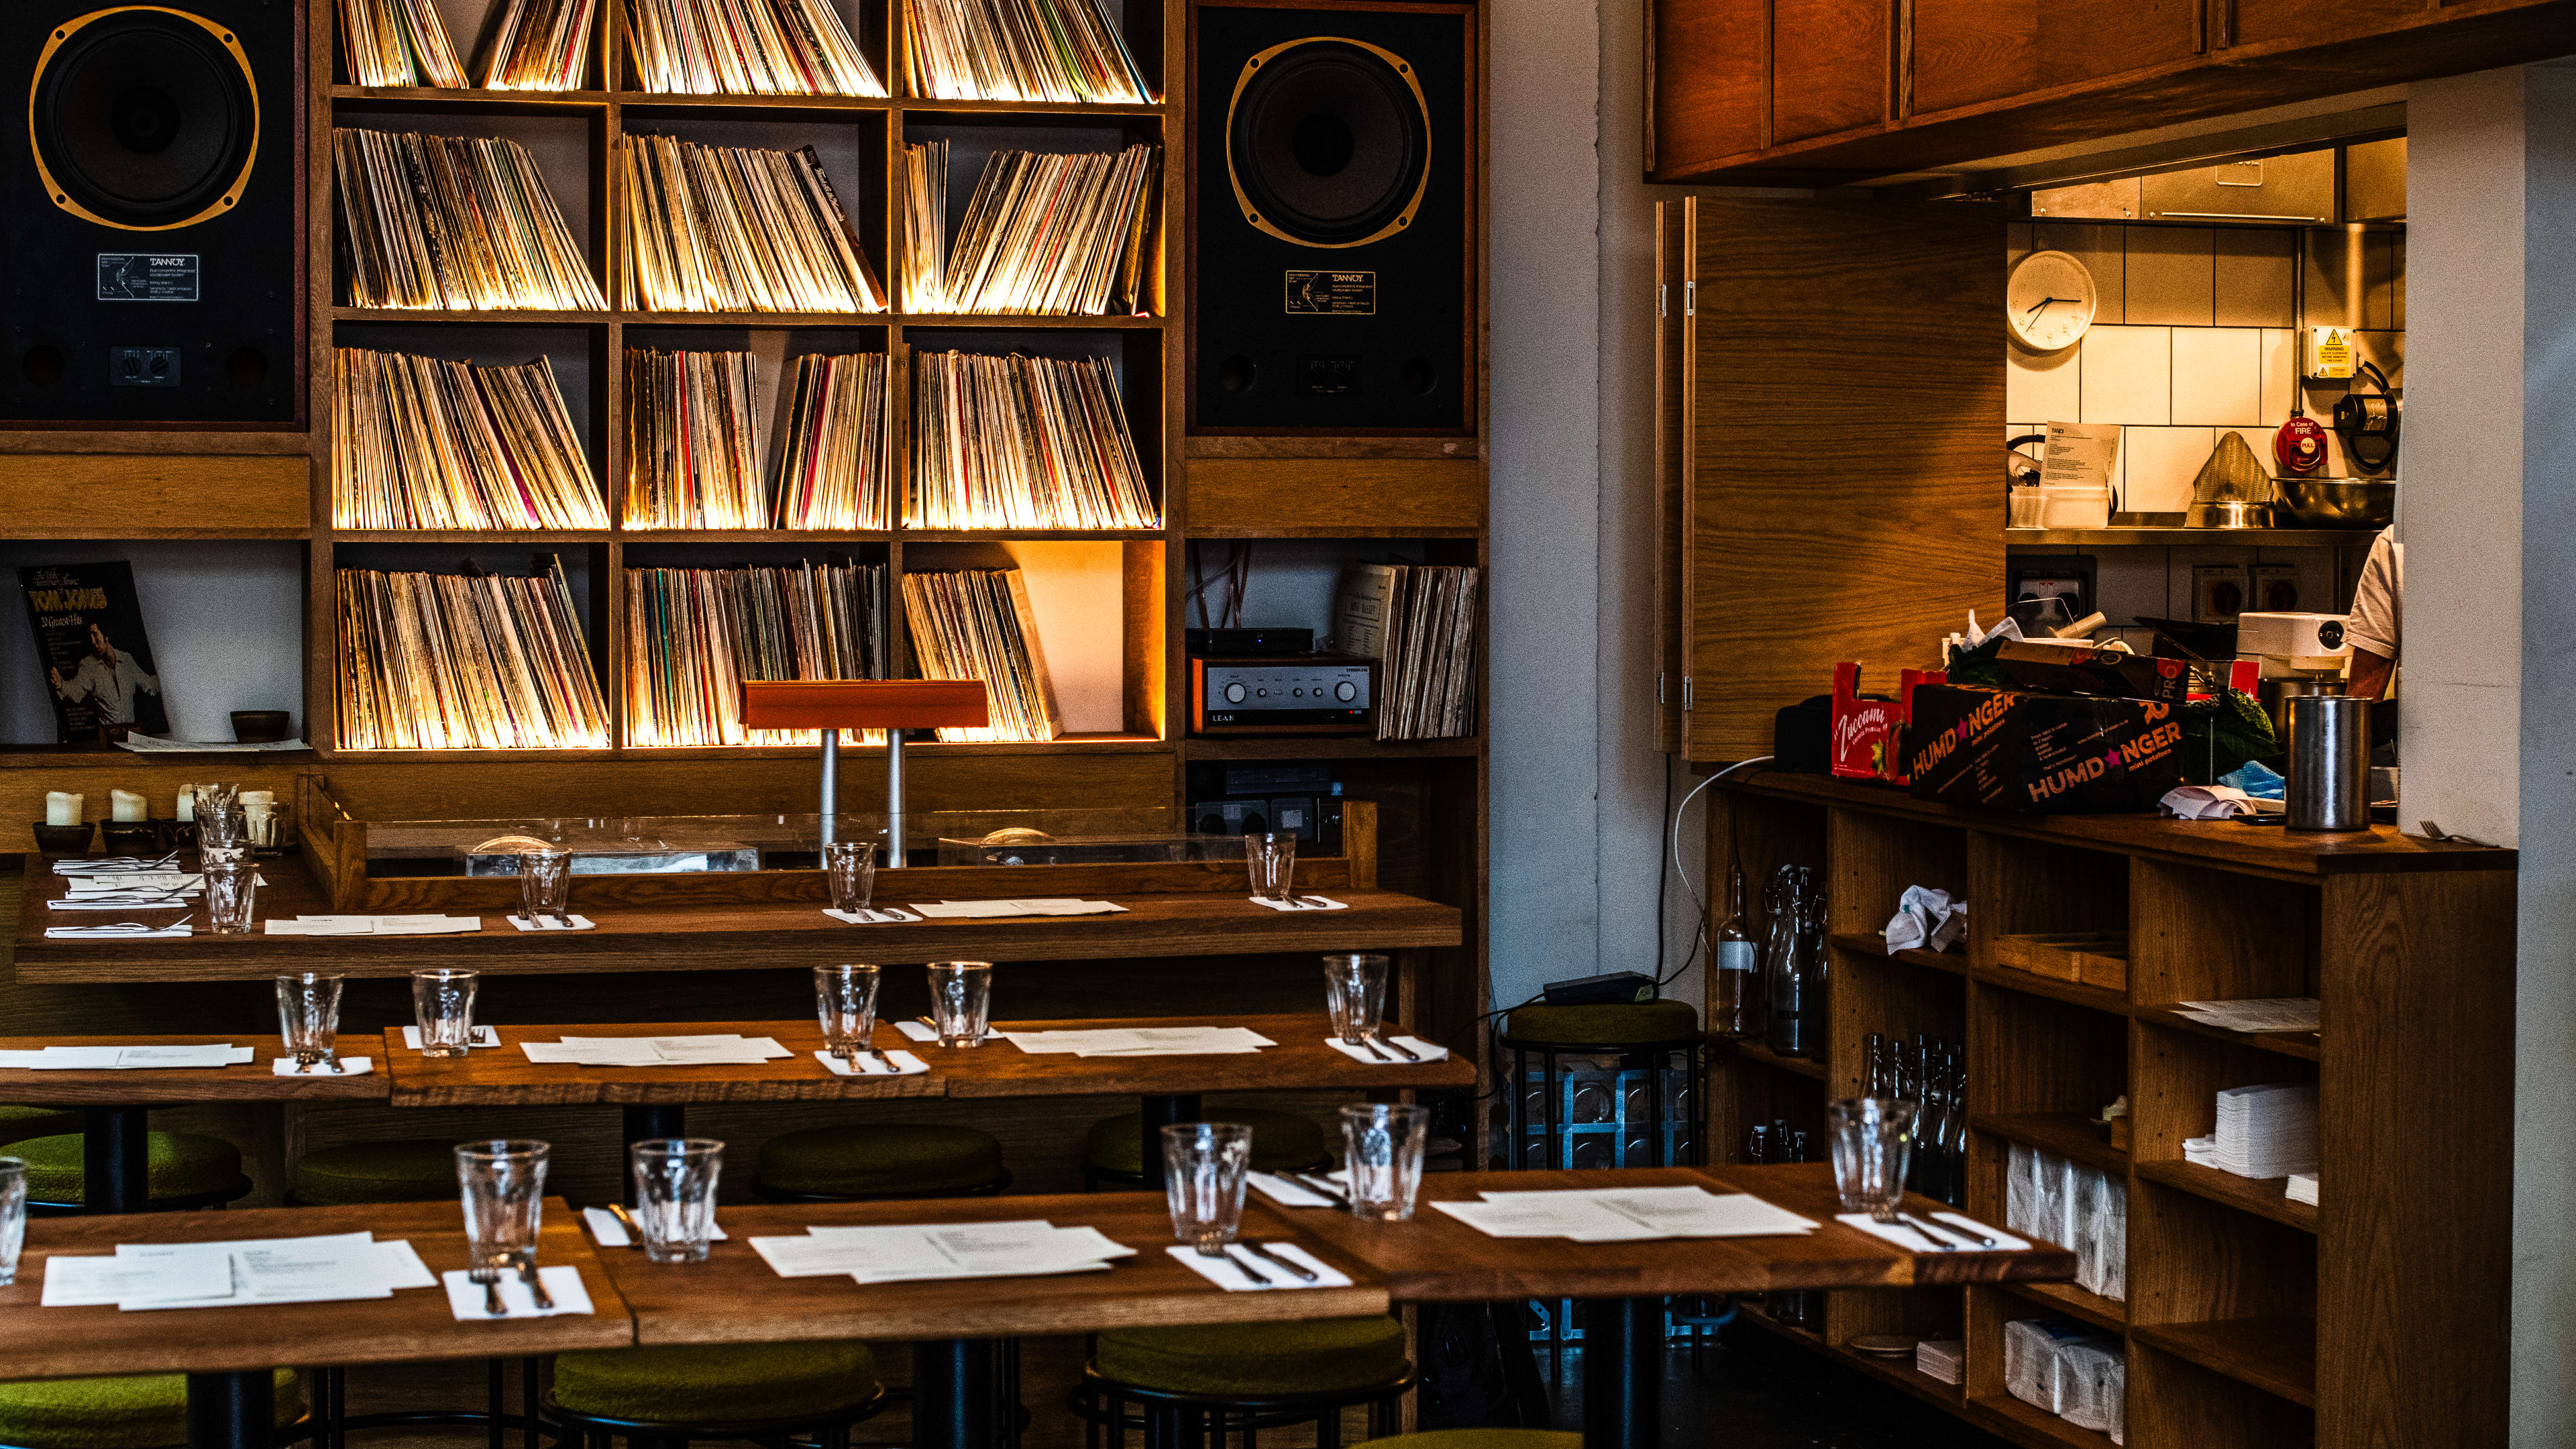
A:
(247, 367)
(41, 365)
(1322, 145)
(1237, 374)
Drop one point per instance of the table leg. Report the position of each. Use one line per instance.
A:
(956, 1394)
(116, 1159)
(1623, 1373)
(1162, 1112)
(232, 1411)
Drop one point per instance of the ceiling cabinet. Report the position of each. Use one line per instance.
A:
(1970, 51)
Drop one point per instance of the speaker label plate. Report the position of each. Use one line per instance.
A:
(147, 276)
(1332, 294)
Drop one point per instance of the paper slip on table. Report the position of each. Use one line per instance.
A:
(228, 1354)
(1435, 1258)
(116, 1105)
(954, 1324)
(757, 935)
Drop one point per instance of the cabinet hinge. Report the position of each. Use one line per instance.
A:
(1690, 299)
(1686, 694)
(1660, 289)
(1659, 688)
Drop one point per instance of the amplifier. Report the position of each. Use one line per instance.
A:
(1309, 694)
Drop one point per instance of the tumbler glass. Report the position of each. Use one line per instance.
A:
(1382, 1147)
(1355, 994)
(675, 1195)
(545, 886)
(845, 1002)
(851, 867)
(13, 1215)
(1871, 1138)
(308, 1017)
(503, 1183)
(1203, 1172)
(961, 998)
(1272, 862)
(442, 1003)
(219, 817)
(232, 890)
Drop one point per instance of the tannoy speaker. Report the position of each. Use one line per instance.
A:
(153, 242)
(1332, 217)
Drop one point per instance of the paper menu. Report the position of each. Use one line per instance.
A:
(894, 1253)
(126, 1058)
(312, 1269)
(374, 926)
(2079, 455)
(1622, 1215)
(1035, 906)
(654, 1051)
(1142, 1041)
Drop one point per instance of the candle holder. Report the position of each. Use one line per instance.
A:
(132, 837)
(63, 839)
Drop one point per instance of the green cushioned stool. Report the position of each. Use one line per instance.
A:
(1611, 1025)
(1281, 1142)
(147, 1411)
(20, 1123)
(1480, 1439)
(1243, 1378)
(185, 1170)
(879, 1160)
(763, 1391)
(419, 1170)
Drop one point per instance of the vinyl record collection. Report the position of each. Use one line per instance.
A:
(736, 229)
(1019, 50)
(836, 457)
(457, 223)
(692, 446)
(1055, 235)
(450, 662)
(425, 442)
(1419, 623)
(746, 48)
(536, 45)
(397, 43)
(693, 636)
(977, 624)
(1022, 442)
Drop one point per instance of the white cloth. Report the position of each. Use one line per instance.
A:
(905, 1065)
(110, 687)
(349, 1067)
(1965, 1231)
(2208, 802)
(1420, 1048)
(549, 923)
(465, 1297)
(1301, 903)
(1244, 1272)
(2379, 604)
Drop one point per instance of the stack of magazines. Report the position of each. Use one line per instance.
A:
(1022, 442)
(1018, 50)
(397, 43)
(692, 450)
(977, 624)
(423, 442)
(461, 223)
(736, 229)
(836, 458)
(1419, 623)
(1058, 235)
(448, 662)
(746, 48)
(536, 45)
(693, 636)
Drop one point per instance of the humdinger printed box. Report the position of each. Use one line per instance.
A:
(2041, 754)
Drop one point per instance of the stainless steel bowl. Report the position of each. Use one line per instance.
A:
(2341, 502)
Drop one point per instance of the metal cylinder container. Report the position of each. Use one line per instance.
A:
(2329, 775)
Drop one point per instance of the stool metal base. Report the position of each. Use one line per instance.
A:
(594, 1431)
(1202, 1421)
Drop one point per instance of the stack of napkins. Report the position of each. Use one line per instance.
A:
(324, 1269)
(1626, 1215)
(127, 1058)
(2302, 1187)
(1941, 1359)
(375, 926)
(1143, 1041)
(655, 1051)
(916, 1252)
(131, 890)
(112, 865)
(2287, 1013)
(2263, 1131)
(1042, 906)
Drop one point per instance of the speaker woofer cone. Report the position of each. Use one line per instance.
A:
(143, 118)
(1328, 142)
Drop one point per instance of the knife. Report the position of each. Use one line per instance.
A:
(634, 1232)
(1399, 1048)
(1263, 1252)
(1944, 1241)
(1318, 1185)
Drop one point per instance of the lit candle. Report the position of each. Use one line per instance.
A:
(62, 809)
(126, 805)
(187, 802)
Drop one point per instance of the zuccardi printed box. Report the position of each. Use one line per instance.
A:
(2042, 754)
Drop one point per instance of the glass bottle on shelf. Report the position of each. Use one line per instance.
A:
(1735, 993)
(1785, 974)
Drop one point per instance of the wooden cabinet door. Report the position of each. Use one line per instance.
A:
(1843, 413)
(1669, 297)
(1708, 80)
(1967, 51)
(1829, 67)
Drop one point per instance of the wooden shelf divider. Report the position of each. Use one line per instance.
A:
(2276, 1355)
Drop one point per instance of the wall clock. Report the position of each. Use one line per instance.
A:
(2049, 301)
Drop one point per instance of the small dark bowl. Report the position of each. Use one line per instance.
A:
(133, 837)
(64, 839)
(259, 726)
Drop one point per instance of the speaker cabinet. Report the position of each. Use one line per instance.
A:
(154, 226)
(1332, 217)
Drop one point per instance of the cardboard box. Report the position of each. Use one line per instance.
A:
(2059, 669)
(2041, 754)
(1865, 726)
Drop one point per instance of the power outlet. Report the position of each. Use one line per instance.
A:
(143, 366)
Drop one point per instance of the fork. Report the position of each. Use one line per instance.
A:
(1395, 1046)
(490, 1277)
(634, 1230)
(536, 1285)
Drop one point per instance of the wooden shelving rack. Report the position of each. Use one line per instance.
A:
(2377, 1317)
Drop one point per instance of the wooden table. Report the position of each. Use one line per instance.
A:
(117, 1104)
(228, 1354)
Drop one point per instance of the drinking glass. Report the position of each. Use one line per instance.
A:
(1272, 860)
(851, 867)
(1382, 1147)
(1355, 994)
(13, 1215)
(219, 818)
(545, 886)
(675, 1194)
(961, 998)
(503, 1183)
(442, 1002)
(308, 1016)
(845, 1001)
(232, 889)
(1871, 1138)
(1203, 1171)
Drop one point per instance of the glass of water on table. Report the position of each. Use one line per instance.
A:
(502, 1183)
(442, 1005)
(1872, 1137)
(1204, 1164)
(845, 1004)
(675, 1195)
(1382, 1151)
(308, 1017)
(961, 1001)
(1271, 861)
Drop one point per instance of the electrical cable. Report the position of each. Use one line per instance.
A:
(1700, 936)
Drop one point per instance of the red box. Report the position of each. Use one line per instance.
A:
(1864, 729)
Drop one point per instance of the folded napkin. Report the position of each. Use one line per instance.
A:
(579, 923)
(873, 916)
(2207, 802)
(608, 1232)
(1927, 918)
(1287, 1191)
(482, 1036)
(1912, 1240)
(1240, 1271)
(349, 1067)
(1027, 906)
(905, 1065)
(1414, 1044)
(921, 1032)
(1301, 903)
(465, 1296)
(121, 931)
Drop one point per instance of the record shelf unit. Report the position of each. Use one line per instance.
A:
(1423, 498)
(2376, 1317)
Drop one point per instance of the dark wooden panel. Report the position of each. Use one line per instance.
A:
(1829, 67)
(1967, 51)
(2305, 22)
(158, 495)
(1709, 79)
(1845, 406)
(1334, 497)
(1671, 284)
